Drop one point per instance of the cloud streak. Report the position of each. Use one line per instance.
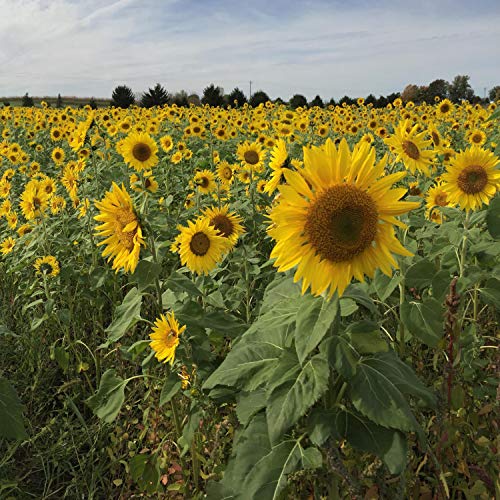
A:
(313, 47)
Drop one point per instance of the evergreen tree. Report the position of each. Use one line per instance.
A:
(317, 101)
(347, 100)
(259, 97)
(332, 102)
(27, 101)
(122, 97)
(59, 102)
(93, 103)
(298, 100)
(156, 96)
(370, 99)
(213, 96)
(238, 96)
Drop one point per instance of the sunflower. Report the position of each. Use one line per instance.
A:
(120, 226)
(7, 245)
(139, 151)
(334, 220)
(476, 137)
(48, 266)
(227, 224)
(205, 180)
(435, 136)
(34, 201)
(409, 147)
(436, 197)
(471, 178)
(279, 162)
(225, 173)
(58, 155)
(165, 337)
(201, 247)
(251, 155)
(445, 107)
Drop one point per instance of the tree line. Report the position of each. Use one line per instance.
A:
(457, 90)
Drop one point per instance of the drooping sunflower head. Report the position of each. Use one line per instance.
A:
(201, 247)
(227, 224)
(165, 337)
(48, 266)
(472, 178)
(121, 229)
(139, 151)
(334, 220)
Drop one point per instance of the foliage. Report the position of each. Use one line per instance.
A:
(156, 96)
(213, 96)
(122, 97)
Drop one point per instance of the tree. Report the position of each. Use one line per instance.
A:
(317, 101)
(437, 88)
(194, 99)
(494, 93)
(213, 96)
(381, 102)
(460, 89)
(237, 96)
(93, 103)
(370, 99)
(122, 97)
(259, 97)
(332, 102)
(298, 100)
(27, 101)
(347, 100)
(392, 97)
(59, 102)
(181, 98)
(156, 96)
(410, 93)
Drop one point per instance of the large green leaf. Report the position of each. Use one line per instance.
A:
(341, 354)
(250, 403)
(170, 388)
(126, 315)
(108, 400)
(145, 471)
(493, 217)
(424, 320)
(11, 412)
(384, 285)
(365, 337)
(313, 321)
(146, 273)
(287, 402)
(420, 274)
(178, 282)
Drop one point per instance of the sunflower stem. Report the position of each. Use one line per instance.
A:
(463, 252)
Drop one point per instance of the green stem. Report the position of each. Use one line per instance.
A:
(463, 252)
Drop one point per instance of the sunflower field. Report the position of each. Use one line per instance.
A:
(250, 302)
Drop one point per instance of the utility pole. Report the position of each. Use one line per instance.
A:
(250, 96)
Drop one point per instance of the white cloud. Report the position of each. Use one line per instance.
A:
(87, 48)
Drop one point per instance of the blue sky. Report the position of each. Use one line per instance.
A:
(330, 48)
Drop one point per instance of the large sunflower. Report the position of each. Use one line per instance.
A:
(334, 220)
(139, 151)
(165, 337)
(120, 226)
(471, 178)
(409, 147)
(227, 224)
(201, 247)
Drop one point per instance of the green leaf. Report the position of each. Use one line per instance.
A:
(347, 306)
(384, 285)
(145, 471)
(313, 321)
(495, 115)
(250, 403)
(108, 400)
(424, 320)
(365, 337)
(342, 355)
(357, 292)
(290, 400)
(146, 273)
(178, 282)
(126, 315)
(62, 357)
(493, 216)
(170, 388)
(388, 444)
(491, 292)
(420, 275)
(11, 412)
(441, 285)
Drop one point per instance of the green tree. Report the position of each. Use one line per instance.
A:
(93, 103)
(27, 101)
(181, 98)
(237, 96)
(348, 100)
(317, 101)
(460, 89)
(122, 97)
(298, 100)
(259, 97)
(59, 102)
(494, 93)
(213, 96)
(156, 96)
(437, 88)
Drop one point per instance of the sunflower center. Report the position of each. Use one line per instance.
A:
(46, 268)
(411, 150)
(445, 108)
(223, 225)
(37, 203)
(441, 199)
(472, 179)
(171, 338)
(476, 138)
(141, 151)
(435, 138)
(203, 182)
(342, 223)
(251, 157)
(199, 244)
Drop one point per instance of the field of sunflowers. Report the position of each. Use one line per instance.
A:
(250, 302)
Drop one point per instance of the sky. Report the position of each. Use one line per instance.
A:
(331, 48)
